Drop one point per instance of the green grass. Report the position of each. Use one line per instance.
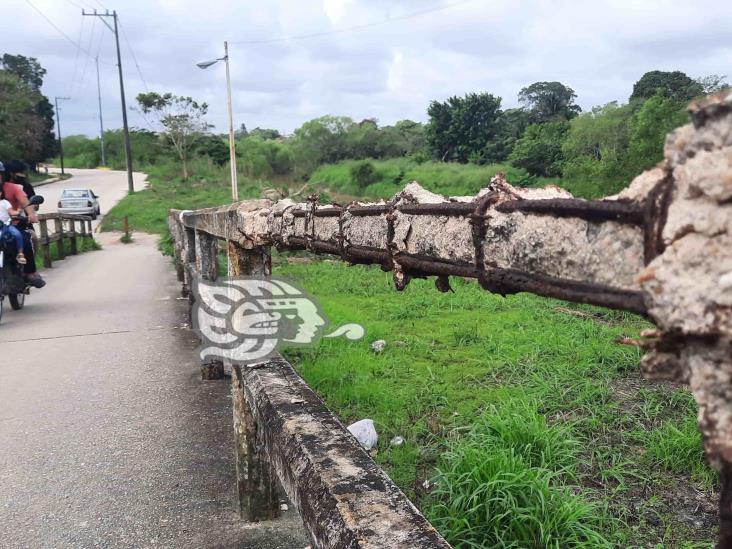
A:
(147, 209)
(676, 446)
(511, 411)
(504, 484)
(450, 179)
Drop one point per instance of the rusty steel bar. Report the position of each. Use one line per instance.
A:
(591, 210)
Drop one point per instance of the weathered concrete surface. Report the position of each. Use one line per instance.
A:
(689, 286)
(107, 436)
(346, 501)
(607, 253)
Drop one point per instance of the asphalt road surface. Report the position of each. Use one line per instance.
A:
(110, 186)
(108, 437)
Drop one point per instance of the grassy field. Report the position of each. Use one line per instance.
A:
(390, 176)
(525, 423)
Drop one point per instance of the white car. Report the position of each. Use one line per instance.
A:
(79, 201)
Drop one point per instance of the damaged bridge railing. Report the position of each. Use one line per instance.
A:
(661, 248)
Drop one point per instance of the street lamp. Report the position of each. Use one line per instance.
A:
(232, 150)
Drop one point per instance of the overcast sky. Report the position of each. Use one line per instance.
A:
(407, 53)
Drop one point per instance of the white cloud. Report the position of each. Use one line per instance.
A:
(388, 71)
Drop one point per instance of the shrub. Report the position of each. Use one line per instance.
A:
(363, 174)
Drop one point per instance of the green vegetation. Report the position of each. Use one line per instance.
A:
(386, 177)
(26, 115)
(466, 141)
(147, 210)
(523, 420)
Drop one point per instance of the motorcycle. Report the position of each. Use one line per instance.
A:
(12, 282)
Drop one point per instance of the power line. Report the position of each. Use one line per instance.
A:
(62, 33)
(134, 57)
(89, 56)
(76, 57)
(354, 27)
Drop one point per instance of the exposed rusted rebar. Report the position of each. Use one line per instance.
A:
(592, 210)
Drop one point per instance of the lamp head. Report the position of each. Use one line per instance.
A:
(207, 64)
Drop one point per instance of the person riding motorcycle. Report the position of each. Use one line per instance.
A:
(8, 231)
(18, 199)
(17, 170)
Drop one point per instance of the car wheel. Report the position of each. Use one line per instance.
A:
(17, 301)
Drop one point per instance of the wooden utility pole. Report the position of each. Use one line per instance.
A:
(101, 119)
(58, 127)
(128, 152)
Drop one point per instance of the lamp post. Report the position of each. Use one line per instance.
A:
(232, 148)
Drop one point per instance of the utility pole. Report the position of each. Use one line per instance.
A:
(58, 128)
(128, 152)
(101, 120)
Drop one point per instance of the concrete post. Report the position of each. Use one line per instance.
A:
(207, 267)
(257, 486)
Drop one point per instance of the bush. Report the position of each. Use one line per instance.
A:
(363, 174)
(539, 150)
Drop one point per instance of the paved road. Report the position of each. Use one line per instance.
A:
(108, 438)
(110, 186)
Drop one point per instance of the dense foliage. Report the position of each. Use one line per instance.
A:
(26, 115)
(592, 154)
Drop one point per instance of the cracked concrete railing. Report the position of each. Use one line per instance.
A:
(661, 248)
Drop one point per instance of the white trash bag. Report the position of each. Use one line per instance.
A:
(365, 433)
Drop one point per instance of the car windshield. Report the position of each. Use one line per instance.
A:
(75, 194)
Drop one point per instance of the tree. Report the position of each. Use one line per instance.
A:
(322, 140)
(675, 85)
(24, 134)
(28, 69)
(462, 128)
(539, 150)
(181, 119)
(595, 150)
(549, 101)
(712, 83)
(39, 142)
(242, 132)
(215, 147)
(265, 133)
(655, 118)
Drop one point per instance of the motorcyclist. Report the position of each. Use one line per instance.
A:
(17, 170)
(18, 199)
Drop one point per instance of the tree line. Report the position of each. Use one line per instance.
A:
(547, 136)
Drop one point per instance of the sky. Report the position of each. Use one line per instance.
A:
(294, 60)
